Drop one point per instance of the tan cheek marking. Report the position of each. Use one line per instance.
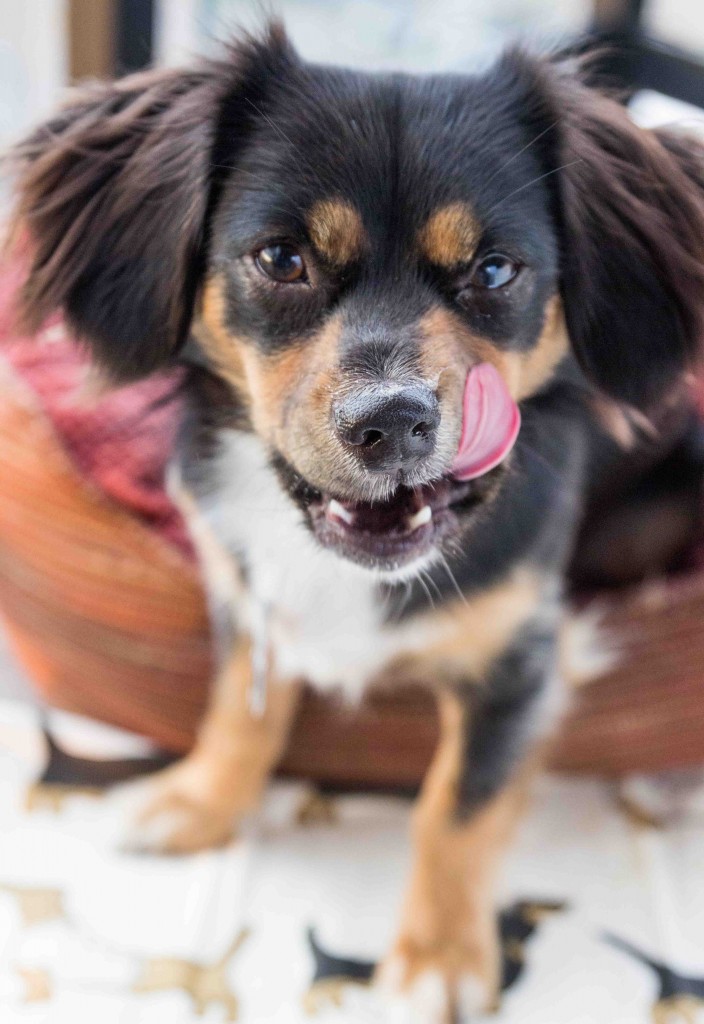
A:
(224, 350)
(291, 390)
(526, 372)
(445, 347)
(448, 923)
(336, 231)
(288, 392)
(450, 236)
(444, 360)
(451, 345)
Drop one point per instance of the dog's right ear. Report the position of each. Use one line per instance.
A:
(114, 195)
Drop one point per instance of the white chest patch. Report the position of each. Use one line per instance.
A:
(325, 615)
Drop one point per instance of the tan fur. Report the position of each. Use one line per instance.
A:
(448, 923)
(224, 776)
(224, 350)
(526, 372)
(291, 390)
(450, 235)
(454, 348)
(473, 632)
(288, 392)
(337, 232)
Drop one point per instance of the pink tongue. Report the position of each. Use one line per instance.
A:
(490, 423)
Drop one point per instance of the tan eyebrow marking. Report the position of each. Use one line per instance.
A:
(336, 231)
(450, 236)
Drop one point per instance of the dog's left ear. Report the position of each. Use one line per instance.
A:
(630, 207)
(115, 194)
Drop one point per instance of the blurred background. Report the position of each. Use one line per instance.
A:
(46, 44)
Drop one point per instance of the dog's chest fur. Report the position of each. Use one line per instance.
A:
(324, 616)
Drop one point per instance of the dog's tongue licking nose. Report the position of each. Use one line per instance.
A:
(490, 423)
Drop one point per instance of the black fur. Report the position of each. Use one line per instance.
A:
(502, 714)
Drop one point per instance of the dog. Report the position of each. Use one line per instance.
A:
(438, 335)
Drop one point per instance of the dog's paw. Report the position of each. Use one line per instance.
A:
(172, 814)
(442, 986)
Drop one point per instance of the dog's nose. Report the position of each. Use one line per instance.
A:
(389, 428)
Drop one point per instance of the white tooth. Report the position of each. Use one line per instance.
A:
(420, 518)
(338, 511)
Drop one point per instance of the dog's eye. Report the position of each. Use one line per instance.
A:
(494, 271)
(281, 263)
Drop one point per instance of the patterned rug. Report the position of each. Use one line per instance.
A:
(603, 916)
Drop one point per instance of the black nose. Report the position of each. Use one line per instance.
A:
(389, 427)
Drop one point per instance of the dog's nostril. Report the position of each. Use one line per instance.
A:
(371, 438)
(421, 430)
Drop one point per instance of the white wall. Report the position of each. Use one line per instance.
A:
(33, 61)
(416, 35)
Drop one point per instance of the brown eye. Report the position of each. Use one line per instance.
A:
(494, 271)
(281, 263)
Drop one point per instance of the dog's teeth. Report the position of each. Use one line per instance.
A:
(337, 511)
(420, 518)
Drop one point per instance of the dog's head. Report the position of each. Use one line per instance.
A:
(347, 248)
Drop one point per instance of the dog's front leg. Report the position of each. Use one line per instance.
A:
(445, 964)
(197, 802)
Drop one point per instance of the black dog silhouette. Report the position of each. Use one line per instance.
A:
(679, 996)
(517, 924)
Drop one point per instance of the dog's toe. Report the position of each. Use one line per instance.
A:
(473, 998)
(163, 815)
(433, 989)
(426, 1000)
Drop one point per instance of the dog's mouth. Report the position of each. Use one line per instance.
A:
(396, 532)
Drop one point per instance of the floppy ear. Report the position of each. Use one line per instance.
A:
(115, 195)
(631, 206)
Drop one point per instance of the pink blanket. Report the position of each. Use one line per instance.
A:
(120, 440)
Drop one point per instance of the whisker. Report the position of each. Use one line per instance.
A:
(446, 565)
(255, 177)
(534, 181)
(282, 134)
(408, 591)
(419, 577)
(520, 152)
(536, 454)
(432, 583)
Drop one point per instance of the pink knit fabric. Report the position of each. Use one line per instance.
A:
(120, 440)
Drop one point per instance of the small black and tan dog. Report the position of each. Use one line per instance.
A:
(374, 280)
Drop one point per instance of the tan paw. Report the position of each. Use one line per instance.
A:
(173, 813)
(442, 986)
